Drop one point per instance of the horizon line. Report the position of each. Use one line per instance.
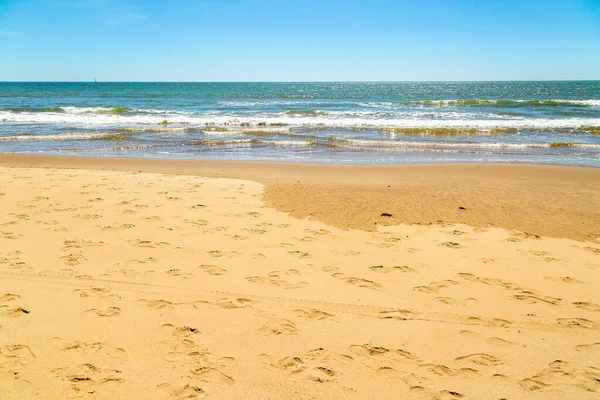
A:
(313, 81)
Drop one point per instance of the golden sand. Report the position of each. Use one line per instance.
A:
(124, 285)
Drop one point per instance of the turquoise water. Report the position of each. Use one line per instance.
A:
(412, 122)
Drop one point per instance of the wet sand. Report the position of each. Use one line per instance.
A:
(544, 200)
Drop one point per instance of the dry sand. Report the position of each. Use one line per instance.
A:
(150, 286)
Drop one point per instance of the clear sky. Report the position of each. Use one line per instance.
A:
(298, 40)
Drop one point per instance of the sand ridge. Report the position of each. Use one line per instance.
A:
(140, 285)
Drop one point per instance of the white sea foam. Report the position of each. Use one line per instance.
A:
(499, 145)
(119, 110)
(388, 105)
(589, 102)
(86, 110)
(61, 136)
(111, 120)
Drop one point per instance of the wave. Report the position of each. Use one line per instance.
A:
(496, 145)
(506, 103)
(60, 136)
(393, 146)
(271, 132)
(590, 125)
(90, 110)
(249, 142)
(330, 142)
(98, 110)
(444, 131)
(32, 109)
(306, 112)
(512, 103)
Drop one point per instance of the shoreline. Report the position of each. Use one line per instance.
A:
(540, 200)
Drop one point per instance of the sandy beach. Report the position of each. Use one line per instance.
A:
(147, 279)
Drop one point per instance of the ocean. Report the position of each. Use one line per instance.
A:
(554, 122)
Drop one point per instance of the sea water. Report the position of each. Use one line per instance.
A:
(336, 122)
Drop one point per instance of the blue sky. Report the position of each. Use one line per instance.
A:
(298, 40)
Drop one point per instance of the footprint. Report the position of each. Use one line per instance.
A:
(275, 278)
(382, 353)
(79, 243)
(218, 253)
(97, 292)
(151, 260)
(73, 259)
(180, 273)
(15, 356)
(430, 393)
(213, 269)
(149, 244)
(318, 232)
(305, 239)
(88, 377)
(196, 222)
(9, 235)
(5, 298)
(565, 279)
(447, 300)
(561, 373)
(532, 385)
(211, 374)
(317, 365)
(232, 303)
(180, 331)
(299, 254)
(586, 305)
(157, 304)
(442, 370)
(499, 341)
(255, 231)
(237, 237)
(592, 348)
(118, 227)
(452, 245)
(578, 323)
(279, 327)
(435, 287)
(202, 366)
(455, 233)
(390, 363)
(482, 359)
(181, 392)
(534, 299)
(87, 216)
(107, 312)
(395, 268)
(360, 282)
(20, 265)
(87, 348)
(5, 311)
(594, 250)
(314, 314)
(398, 314)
